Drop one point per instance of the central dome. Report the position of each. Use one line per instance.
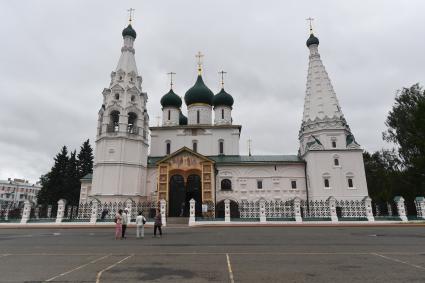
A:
(199, 93)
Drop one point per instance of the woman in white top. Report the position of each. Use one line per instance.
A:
(140, 223)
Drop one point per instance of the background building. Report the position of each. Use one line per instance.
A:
(17, 191)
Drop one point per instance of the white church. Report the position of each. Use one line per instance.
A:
(195, 155)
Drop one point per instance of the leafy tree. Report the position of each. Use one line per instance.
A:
(85, 159)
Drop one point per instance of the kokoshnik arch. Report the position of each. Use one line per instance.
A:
(197, 155)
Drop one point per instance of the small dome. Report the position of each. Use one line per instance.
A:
(129, 31)
(182, 119)
(171, 100)
(223, 99)
(199, 93)
(312, 40)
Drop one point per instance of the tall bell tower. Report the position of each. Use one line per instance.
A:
(122, 131)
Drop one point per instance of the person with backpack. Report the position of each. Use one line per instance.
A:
(140, 225)
(118, 225)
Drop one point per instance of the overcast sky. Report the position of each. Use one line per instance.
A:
(56, 57)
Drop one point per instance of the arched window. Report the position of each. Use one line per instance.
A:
(226, 185)
(198, 117)
(114, 121)
(131, 126)
(326, 180)
(167, 147)
(222, 113)
(336, 161)
(221, 147)
(195, 146)
(117, 96)
(133, 98)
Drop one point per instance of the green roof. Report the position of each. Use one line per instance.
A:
(129, 31)
(199, 93)
(87, 177)
(223, 98)
(171, 99)
(242, 159)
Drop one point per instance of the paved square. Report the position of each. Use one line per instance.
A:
(219, 254)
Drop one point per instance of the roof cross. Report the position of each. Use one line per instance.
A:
(199, 56)
(130, 14)
(222, 73)
(171, 78)
(310, 19)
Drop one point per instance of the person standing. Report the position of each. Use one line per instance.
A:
(124, 223)
(140, 225)
(118, 225)
(157, 224)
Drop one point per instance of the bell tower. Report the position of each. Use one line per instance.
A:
(122, 131)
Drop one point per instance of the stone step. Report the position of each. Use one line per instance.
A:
(177, 220)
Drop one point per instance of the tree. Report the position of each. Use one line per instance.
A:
(72, 181)
(53, 183)
(85, 159)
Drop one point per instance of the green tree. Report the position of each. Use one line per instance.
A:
(85, 159)
(72, 181)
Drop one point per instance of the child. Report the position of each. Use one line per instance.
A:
(140, 223)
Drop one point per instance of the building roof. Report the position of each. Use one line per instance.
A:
(87, 177)
(199, 93)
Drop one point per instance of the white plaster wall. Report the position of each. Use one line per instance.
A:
(207, 140)
(276, 182)
(218, 120)
(204, 116)
(174, 116)
(322, 162)
(326, 136)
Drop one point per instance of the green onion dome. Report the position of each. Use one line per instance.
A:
(182, 119)
(129, 31)
(312, 40)
(199, 93)
(223, 99)
(171, 100)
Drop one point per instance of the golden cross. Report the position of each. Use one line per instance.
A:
(310, 19)
(249, 146)
(131, 14)
(171, 78)
(222, 77)
(199, 56)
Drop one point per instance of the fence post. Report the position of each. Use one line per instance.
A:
(129, 207)
(6, 214)
(226, 210)
(263, 210)
(27, 212)
(94, 208)
(61, 210)
(400, 208)
(332, 209)
(163, 207)
(192, 212)
(49, 211)
(420, 207)
(297, 209)
(368, 207)
(37, 211)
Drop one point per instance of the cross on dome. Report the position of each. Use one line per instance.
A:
(310, 20)
(130, 15)
(222, 73)
(171, 79)
(199, 56)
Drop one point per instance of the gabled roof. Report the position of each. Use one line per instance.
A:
(183, 149)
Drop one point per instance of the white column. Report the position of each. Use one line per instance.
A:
(227, 210)
(94, 208)
(420, 207)
(263, 211)
(297, 210)
(27, 212)
(332, 209)
(191, 212)
(129, 206)
(400, 208)
(368, 207)
(163, 209)
(61, 210)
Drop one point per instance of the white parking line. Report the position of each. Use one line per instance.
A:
(74, 269)
(4, 255)
(229, 266)
(399, 261)
(99, 274)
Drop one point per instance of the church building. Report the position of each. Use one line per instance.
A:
(195, 155)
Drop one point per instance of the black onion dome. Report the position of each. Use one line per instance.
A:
(312, 40)
(223, 99)
(199, 93)
(182, 119)
(129, 31)
(171, 100)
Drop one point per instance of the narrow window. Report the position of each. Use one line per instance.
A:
(259, 184)
(294, 184)
(133, 98)
(117, 96)
(350, 182)
(195, 146)
(326, 183)
(198, 117)
(169, 115)
(168, 148)
(334, 144)
(222, 113)
(221, 147)
(336, 161)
